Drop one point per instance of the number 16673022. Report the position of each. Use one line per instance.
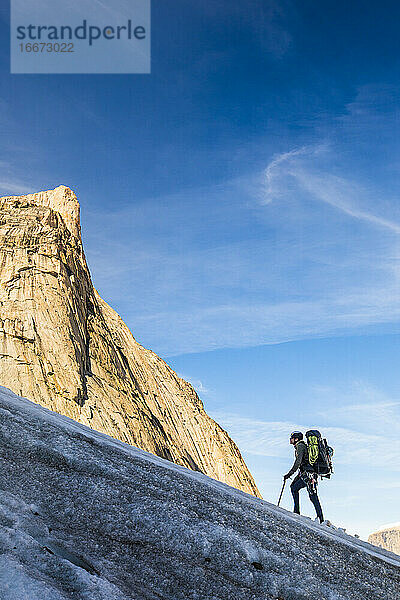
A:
(47, 47)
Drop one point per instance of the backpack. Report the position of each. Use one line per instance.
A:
(319, 453)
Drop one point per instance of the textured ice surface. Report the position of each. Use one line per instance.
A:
(85, 517)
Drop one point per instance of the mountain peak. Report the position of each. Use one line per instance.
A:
(61, 199)
(62, 346)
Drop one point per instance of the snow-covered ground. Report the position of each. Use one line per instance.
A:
(85, 517)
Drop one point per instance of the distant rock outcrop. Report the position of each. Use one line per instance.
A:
(388, 537)
(62, 346)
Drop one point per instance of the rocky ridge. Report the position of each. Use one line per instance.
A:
(62, 346)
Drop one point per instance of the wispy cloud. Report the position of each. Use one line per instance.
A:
(236, 326)
(14, 187)
(340, 193)
(282, 166)
(244, 293)
(364, 408)
(352, 448)
(198, 385)
(12, 183)
(308, 247)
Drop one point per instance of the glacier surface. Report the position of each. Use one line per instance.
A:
(86, 517)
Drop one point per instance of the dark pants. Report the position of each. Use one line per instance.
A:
(301, 481)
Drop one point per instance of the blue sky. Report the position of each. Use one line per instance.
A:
(240, 211)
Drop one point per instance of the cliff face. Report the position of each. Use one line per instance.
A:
(387, 538)
(62, 346)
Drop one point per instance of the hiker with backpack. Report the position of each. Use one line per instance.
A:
(308, 461)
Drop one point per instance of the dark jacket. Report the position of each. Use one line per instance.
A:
(301, 460)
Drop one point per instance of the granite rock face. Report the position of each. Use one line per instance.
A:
(388, 538)
(62, 346)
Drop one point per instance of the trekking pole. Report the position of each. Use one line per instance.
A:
(283, 487)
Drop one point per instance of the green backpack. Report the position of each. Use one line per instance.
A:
(319, 453)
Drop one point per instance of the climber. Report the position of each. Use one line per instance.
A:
(306, 477)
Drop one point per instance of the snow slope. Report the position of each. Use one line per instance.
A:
(85, 517)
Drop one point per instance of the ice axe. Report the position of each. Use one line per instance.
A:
(283, 487)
